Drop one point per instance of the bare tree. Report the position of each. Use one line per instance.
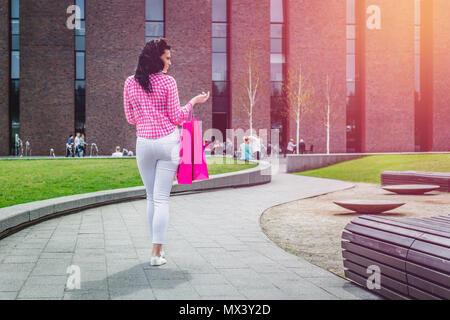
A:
(248, 83)
(298, 94)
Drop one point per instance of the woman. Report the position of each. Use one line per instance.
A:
(245, 150)
(151, 102)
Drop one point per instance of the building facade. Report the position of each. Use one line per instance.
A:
(62, 69)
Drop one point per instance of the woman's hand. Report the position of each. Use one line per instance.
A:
(201, 98)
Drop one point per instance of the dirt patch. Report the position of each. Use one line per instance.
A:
(312, 228)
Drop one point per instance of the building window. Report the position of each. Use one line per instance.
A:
(353, 67)
(278, 116)
(423, 113)
(80, 70)
(154, 19)
(14, 83)
(220, 59)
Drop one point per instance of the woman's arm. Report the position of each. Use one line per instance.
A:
(176, 113)
(128, 108)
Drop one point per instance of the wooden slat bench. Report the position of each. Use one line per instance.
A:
(441, 179)
(413, 255)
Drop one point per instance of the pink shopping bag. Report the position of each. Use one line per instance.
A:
(192, 156)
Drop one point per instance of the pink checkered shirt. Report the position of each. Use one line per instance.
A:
(155, 114)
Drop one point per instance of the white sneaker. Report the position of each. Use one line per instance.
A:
(162, 254)
(157, 261)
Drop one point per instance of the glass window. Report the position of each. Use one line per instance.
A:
(80, 43)
(219, 30)
(147, 39)
(276, 88)
(219, 10)
(14, 26)
(351, 46)
(276, 10)
(220, 104)
(276, 45)
(276, 72)
(15, 65)
(219, 44)
(219, 66)
(417, 72)
(15, 9)
(80, 65)
(154, 29)
(277, 58)
(417, 12)
(80, 87)
(351, 32)
(220, 88)
(417, 33)
(82, 30)
(351, 89)
(351, 68)
(154, 10)
(15, 45)
(276, 30)
(351, 16)
(80, 3)
(15, 87)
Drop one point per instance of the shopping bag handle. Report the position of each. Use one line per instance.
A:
(191, 114)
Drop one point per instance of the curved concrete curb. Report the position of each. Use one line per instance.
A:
(17, 217)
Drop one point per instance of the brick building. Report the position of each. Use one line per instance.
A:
(388, 63)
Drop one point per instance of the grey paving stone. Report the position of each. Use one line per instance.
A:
(86, 295)
(266, 294)
(215, 289)
(187, 293)
(132, 293)
(20, 259)
(43, 287)
(208, 279)
(12, 283)
(51, 267)
(246, 278)
(11, 268)
(10, 295)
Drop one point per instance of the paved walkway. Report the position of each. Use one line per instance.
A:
(215, 250)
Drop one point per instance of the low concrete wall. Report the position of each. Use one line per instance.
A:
(304, 162)
(17, 217)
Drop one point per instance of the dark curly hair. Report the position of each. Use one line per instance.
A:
(150, 62)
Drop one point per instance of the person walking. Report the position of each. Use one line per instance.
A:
(69, 146)
(291, 146)
(151, 102)
(302, 146)
(255, 142)
(77, 144)
(83, 145)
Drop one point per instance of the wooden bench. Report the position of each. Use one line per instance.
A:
(441, 179)
(412, 254)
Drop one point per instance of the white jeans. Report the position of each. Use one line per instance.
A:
(157, 161)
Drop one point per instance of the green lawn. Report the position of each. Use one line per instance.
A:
(368, 169)
(29, 180)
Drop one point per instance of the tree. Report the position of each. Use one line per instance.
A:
(298, 94)
(248, 83)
